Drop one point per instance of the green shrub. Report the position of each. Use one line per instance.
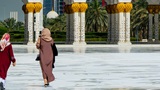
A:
(133, 39)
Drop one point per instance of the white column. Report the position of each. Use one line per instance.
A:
(116, 28)
(71, 29)
(37, 25)
(150, 27)
(68, 28)
(156, 23)
(112, 28)
(121, 28)
(127, 28)
(109, 28)
(41, 17)
(26, 28)
(76, 28)
(30, 27)
(82, 28)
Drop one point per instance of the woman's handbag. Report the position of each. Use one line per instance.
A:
(55, 53)
(38, 58)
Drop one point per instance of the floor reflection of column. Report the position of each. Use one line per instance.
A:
(31, 49)
(79, 49)
(124, 49)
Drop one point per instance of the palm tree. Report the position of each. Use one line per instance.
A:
(96, 18)
(9, 23)
(139, 18)
(56, 24)
(19, 26)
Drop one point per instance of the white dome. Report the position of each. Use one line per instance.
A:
(52, 14)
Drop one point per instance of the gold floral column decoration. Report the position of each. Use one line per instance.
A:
(30, 7)
(128, 7)
(108, 8)
(38, 7)
(156, 9)
(68, 9)
(24, 9)
(150, 9)
(120, 7)
(75, 7)
(83, 7)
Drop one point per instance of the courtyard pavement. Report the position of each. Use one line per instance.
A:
(91, 67)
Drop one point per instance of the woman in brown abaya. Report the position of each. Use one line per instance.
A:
(46, 55)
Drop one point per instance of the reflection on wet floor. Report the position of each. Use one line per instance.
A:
(85, 49)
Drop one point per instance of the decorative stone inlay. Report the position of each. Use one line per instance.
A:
(75, 7)
(128, 7)
(83, 7)
(30, 7)
(38, 7)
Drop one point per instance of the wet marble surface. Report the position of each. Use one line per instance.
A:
(89, 68)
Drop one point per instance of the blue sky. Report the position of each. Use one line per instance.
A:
(11, 5)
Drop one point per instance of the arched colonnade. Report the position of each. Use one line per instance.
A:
(119, 20)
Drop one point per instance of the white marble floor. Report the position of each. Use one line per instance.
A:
(95, 67)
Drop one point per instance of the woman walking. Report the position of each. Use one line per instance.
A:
(6, 57)
(44, 44)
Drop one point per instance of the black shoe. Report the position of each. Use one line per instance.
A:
(46, 85)
(1, 86)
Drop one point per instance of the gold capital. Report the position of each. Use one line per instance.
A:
(120, 7)
(128, 7)
(75, 7)
(38, 7)
(83, 7)
(30, 7)
(24, 9)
